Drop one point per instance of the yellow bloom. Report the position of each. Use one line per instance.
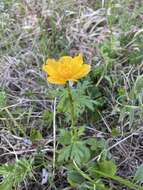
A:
(66, 69)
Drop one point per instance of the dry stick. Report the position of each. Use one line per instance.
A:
(11, 106)
(10, 146)
(111, 147)
(25, 151)
(103, 3)
(105, 122)
(54, 137)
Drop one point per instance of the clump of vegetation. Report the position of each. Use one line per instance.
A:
(81, 129)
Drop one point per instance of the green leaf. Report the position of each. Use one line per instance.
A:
(100, 185)
(81, 131)
(115, 132)
(47, 117)
(6, 185)
(14, 174)
(35, 135)
(90, 181)
(64, 154)
(64, 103)
(85, 101)
(120, 180)
(108, 167)
(81, 152)
(96, 144)
(97, 71)
(77, 151)
(139, 173)
(65, 137)
(74, 178)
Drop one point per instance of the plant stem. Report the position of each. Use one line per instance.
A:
(116, 178)
(73, 120)
(121, 180)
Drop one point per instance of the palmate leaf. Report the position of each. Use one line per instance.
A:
(80, 99)
(97, 144)
(80, 153)
(65, 137)
(77, 151)
(82, 87)
(74, 178)
(80, 96)
(64, 103)
(108, 167)
(85, 101)
(64, 154)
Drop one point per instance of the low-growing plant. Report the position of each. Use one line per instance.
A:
(75, 151)
(96, 121)
(13, 174)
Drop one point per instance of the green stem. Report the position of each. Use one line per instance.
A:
(116, 178)
(73, 120)
(121, 180)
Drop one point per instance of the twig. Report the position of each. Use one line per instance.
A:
(113, 146)
(25, 151)
(54, 137)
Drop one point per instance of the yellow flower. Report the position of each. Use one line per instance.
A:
(66, 69)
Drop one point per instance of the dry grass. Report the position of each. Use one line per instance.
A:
(78, 28)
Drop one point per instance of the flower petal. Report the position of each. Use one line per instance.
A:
(65, 59)
(66, 69)
(51, 67)
(78, 60)
(85, 69)
(56, 80)
(77, 63)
